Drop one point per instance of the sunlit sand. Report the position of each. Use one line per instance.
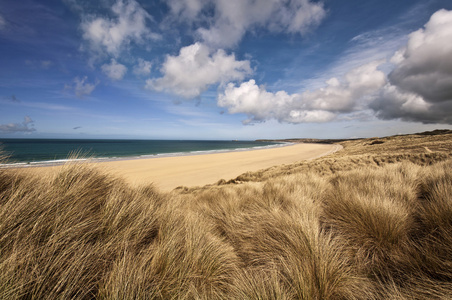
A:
(168, 173)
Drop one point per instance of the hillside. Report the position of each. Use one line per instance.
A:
(372, 221)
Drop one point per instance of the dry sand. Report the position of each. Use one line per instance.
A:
(168, 173)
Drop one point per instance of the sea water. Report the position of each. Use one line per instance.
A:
(54, 151)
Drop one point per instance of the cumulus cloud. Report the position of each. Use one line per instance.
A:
(260, 105)
(394, 103)
(321, 105)
(418, 89)
(143, 68)
(127, 25)
(196, 68)
(425, 65)
(82, 87)
(420, 86)
(344, 96)
(114, 70)
(231, 19)
(25, 126)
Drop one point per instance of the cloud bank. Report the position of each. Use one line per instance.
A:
(215, 25)
(321, 105)
(419, 87)
(196, 68)
(25, 126)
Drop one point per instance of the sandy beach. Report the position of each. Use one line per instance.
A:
(168, 173)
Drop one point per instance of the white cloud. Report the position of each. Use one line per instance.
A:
(298, 16)
(425, 65)
(143, 68)
(81, 87)
(256, 102)
(186, 9)
(321, 105)
(196, 68)
(111, 35)
(369, 46)
(25, 126)
(420, 86)
(233, 18)
(393, 103)
(114, 70)
(343, 96)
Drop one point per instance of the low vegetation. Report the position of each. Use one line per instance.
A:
(372, 221)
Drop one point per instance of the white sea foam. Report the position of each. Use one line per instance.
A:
(57, 162)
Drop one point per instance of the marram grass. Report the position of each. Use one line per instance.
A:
(368, 232)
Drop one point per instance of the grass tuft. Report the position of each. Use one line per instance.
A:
(362, 223)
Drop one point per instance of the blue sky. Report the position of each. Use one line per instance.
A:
(225, 69)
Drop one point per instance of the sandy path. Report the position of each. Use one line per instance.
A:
(168, 173)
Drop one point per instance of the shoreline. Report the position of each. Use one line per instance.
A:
(61, 162)
(168, 173)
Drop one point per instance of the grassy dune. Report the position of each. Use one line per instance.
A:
(373, 221)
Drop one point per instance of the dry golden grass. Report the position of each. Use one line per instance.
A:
(369, 222)
(422, 149)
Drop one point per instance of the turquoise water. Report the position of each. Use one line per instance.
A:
(26, 151)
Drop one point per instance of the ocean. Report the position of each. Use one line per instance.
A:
(23, 152)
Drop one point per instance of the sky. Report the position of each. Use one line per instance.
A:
(224, 69)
